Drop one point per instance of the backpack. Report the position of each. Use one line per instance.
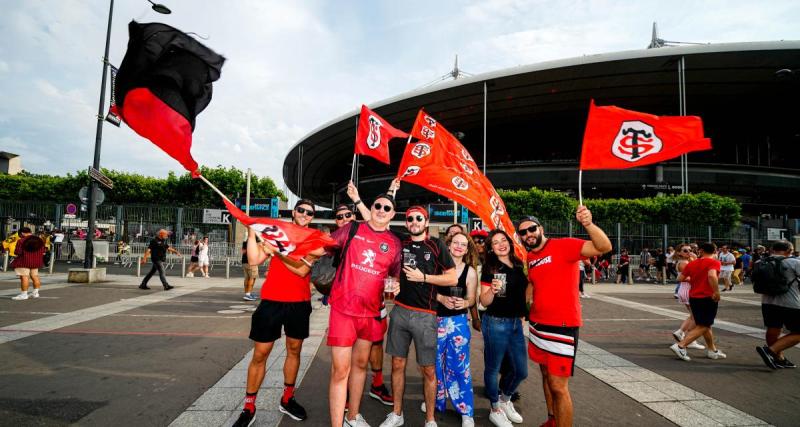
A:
(769, 278)
(324, 270)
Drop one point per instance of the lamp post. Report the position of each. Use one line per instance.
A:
(89, 254)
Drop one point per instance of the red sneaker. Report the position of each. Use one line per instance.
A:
(381, 394)
(551, 422)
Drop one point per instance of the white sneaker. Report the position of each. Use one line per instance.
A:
(431, 424)
(467, 421)
(35, 293)
(423, 408)
(393, 420)
(499, 419)
(716, 354)
(696, 345)
(190, 274)
(358, 422)
(678, 335)
(20, 297)
(511, 413)
(680, 352)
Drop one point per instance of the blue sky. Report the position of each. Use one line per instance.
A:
(294, 65)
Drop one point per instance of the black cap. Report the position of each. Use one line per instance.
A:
(525, 219)
(342, 207)
(387, 197)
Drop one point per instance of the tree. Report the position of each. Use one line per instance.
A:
(131, 188)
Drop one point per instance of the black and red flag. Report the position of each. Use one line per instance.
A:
(163, 83)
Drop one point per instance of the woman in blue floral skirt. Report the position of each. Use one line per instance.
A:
(453, 378)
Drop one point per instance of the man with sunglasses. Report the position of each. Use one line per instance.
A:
(426, 263)
(370, 256)
(555, 314)
(285, 304)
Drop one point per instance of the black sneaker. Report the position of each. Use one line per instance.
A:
(143, 286)
(246, 419)
(381, 394)
(767, 356)
(784, 363)
(293, 409)
(168, 287)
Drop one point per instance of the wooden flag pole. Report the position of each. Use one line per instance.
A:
(213, 187)
(580, 187)
(353, 168)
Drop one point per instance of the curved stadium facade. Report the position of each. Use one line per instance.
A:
(746, 93)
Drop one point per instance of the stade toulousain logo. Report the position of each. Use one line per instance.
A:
(421, 150)
(275, 236)
(467, 168)
(635, 141)
(411, 171)
(459, 183)
(374, 137)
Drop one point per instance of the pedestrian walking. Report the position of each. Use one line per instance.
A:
(157, 250)
(623, 266)
(503, 287)
(250, 275)
(727, 261)
(781, 309)
(203, 259)
(683, 257)
(555, 315)
(194, 260)
(703, 275)
(28, 259)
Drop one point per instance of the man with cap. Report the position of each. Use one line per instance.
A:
(556, 311)
(372, 254)
(426, 263)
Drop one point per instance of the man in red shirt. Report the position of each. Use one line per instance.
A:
(555, 310)
(703, 275)
(365, 260)
(285, 303)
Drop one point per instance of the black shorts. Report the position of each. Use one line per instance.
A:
(704, 310)
(194, 259)
(776, 316)
(271, 316)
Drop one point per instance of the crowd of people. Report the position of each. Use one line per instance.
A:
(440, 288)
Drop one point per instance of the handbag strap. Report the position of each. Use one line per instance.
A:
(352, 232)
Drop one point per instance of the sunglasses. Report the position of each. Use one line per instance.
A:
(345, 215)
(418, 218)
(378, 206)
(531, 229)
(686, 250)
(478, 241)
(304, 211)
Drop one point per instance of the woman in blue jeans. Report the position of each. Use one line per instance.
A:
(503, 284)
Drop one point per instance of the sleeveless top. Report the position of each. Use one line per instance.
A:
(443, 311)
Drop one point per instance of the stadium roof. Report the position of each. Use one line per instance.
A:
(717, 77)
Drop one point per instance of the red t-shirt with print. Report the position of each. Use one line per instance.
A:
(553, 271)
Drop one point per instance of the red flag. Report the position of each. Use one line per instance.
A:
(164, 82)
(616, 138)
(290, 239)
(373, 135)
(441, 164)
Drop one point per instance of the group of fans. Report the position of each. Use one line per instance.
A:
(437, 285)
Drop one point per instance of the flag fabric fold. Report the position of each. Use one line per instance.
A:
(373, 135)
(616, 138)
(440, 163)
(291, 240)
(163, 83)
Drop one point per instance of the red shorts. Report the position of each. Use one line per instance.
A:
(344, 330)
(553, 347)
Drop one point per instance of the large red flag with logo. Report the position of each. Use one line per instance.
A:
(291, 240)
(163, 83)
(373, 135)
(441, 164)
(616, 138)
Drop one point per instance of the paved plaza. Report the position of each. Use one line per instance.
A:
(111, 354)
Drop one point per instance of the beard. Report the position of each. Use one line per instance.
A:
(536, 243)
(417, 233)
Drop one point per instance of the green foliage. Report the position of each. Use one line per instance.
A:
(138, 189)
(701, 208)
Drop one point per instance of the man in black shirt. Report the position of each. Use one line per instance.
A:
(426, 263)
(158, 249)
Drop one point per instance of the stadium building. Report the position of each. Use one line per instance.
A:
(533, 118)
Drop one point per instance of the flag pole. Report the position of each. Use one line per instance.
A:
(213, 187)
(353, 168)
(580, 187)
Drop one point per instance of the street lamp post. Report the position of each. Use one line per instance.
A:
(89, 253)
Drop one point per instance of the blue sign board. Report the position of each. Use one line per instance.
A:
(260, 207)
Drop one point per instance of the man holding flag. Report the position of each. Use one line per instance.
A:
(285, 303)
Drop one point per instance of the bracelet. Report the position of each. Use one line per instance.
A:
(355, 203)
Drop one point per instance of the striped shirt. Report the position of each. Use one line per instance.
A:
(28, 259)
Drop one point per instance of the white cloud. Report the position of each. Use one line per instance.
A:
(293, 66)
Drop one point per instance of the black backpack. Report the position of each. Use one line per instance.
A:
(769, 277)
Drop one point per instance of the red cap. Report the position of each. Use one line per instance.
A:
(419, 209)
(481, 233)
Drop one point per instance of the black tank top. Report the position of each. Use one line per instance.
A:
(443, 311)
